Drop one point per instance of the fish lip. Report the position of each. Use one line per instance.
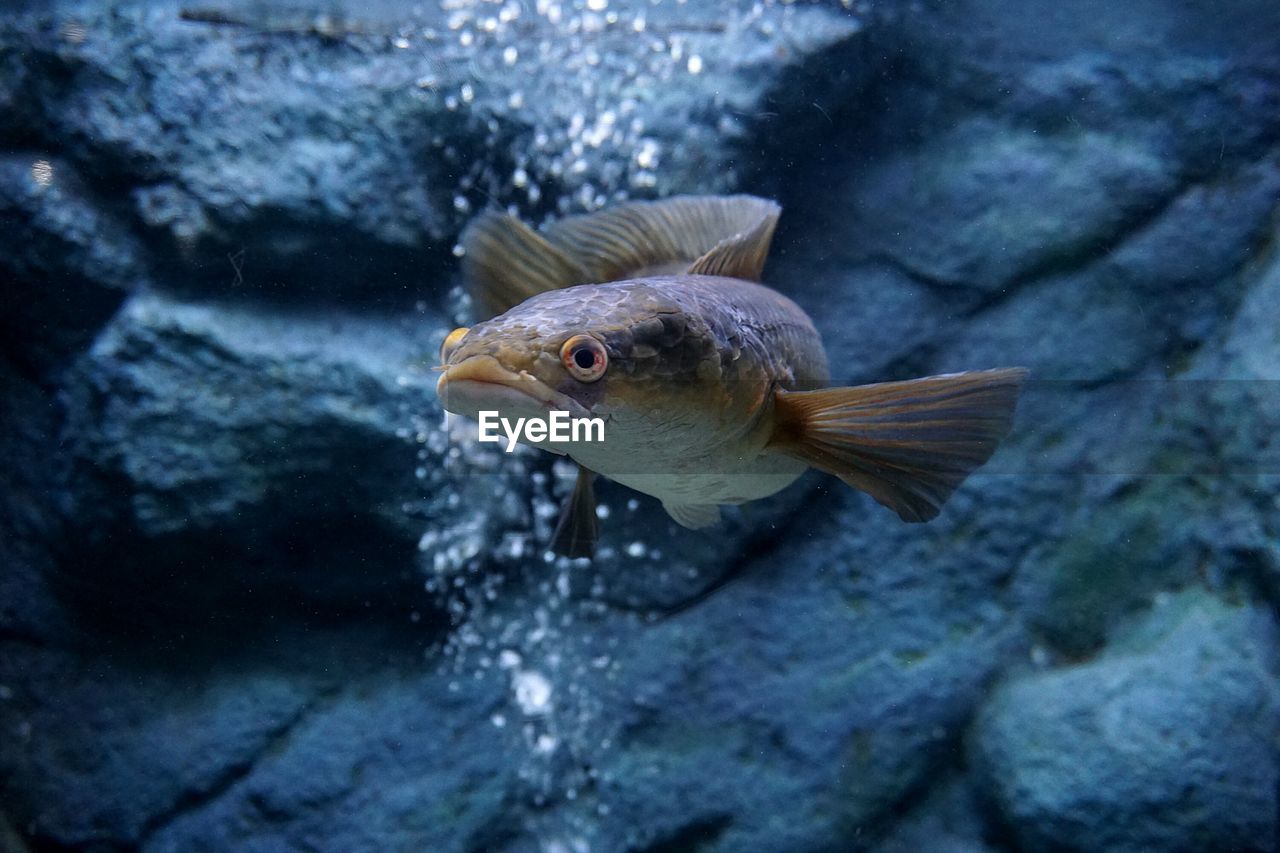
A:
(482, 370)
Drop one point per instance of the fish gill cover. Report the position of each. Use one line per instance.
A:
(253, 594)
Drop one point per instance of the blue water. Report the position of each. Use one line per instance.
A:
(257, 592)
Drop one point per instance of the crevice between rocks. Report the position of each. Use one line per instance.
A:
(195, 800)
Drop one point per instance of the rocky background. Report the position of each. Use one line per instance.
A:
(253, 596)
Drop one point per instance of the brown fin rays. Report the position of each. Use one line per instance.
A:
(576, 531)
(729, 235)
(907, 444)
(505, 262)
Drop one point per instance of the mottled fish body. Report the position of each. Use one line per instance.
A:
(712, 387)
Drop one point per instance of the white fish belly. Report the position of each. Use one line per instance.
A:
(707, 481)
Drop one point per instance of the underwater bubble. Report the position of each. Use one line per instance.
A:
(648, 154)
(510, 55)
(636, 549)
(533, 693)
(695, 64)
(42, 172)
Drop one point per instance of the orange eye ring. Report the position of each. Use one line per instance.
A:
(585, 358)
(451, 342)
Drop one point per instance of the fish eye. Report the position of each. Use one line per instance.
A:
(451, 342)
(584, 357)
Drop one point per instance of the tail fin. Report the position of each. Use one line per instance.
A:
(907, 444)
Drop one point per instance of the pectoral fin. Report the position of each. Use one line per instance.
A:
(693, 516)
(907, 444)
(576, 531)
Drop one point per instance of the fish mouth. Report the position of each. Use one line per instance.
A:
(481, 383)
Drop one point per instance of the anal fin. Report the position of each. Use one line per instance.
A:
(693, 516)
(907, 444)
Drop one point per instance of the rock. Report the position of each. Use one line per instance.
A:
(103, 764)
(1164, 742)
(404, 764)
(648, 563)
(207, 411)
(32, 499)
(208, 433)
(253, 595)
(271, 147)
(1017, 203)
(948, 820)
(834, 672)
(1239, 399)
(68, 261)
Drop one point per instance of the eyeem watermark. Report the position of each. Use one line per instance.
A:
(558, 426)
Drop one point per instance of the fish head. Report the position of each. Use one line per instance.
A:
(623, 351)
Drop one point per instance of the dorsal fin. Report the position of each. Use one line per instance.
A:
(506, 262)
(670, 236)
(742, 255)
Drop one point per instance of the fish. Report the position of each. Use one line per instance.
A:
(714, 389)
